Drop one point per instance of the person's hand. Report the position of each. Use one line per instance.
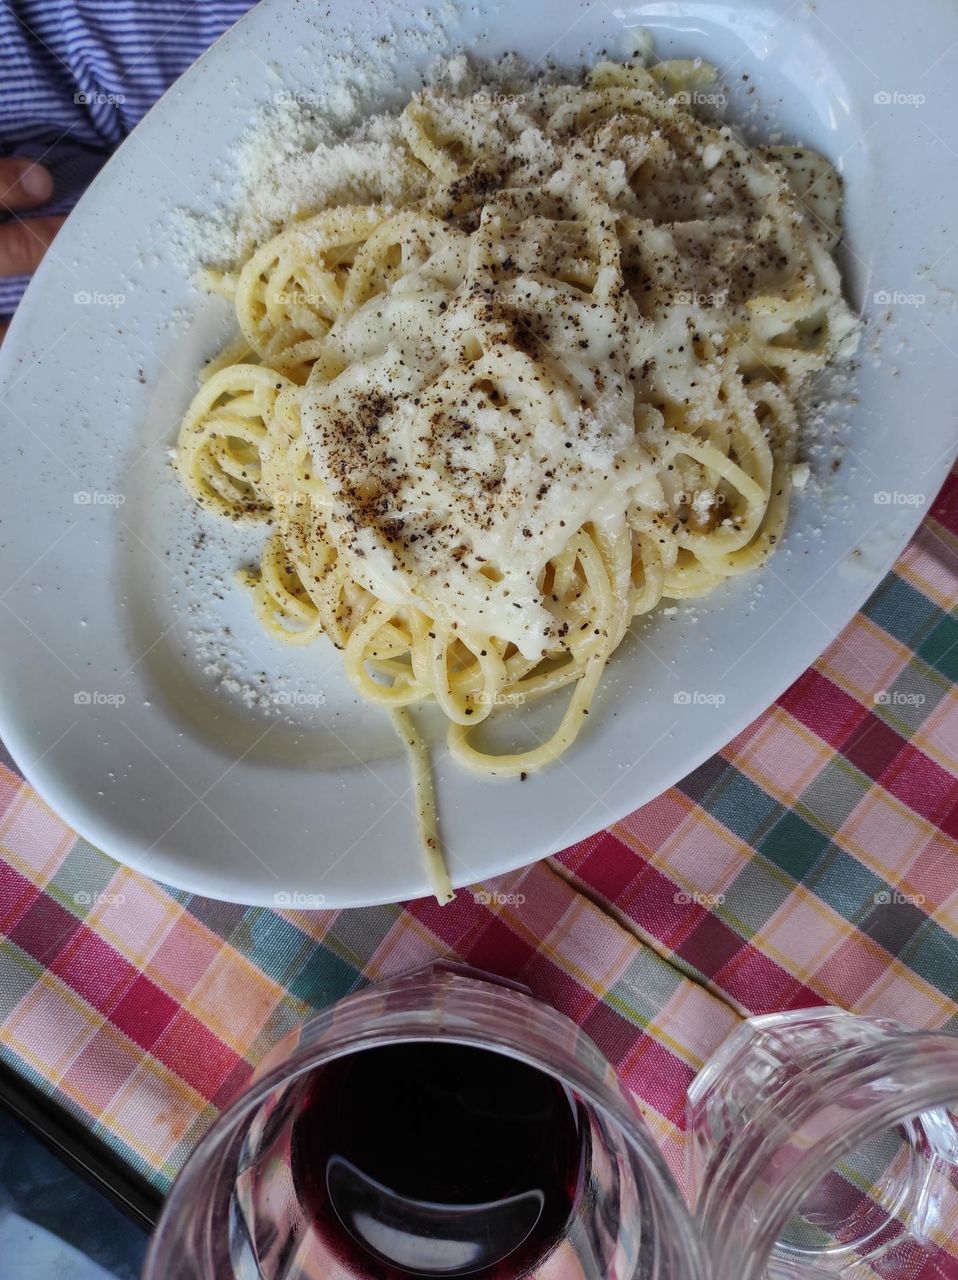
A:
(24, 184)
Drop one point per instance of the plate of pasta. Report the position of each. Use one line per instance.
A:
(484, 428)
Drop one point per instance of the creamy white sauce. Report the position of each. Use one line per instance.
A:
(509, 491)
(501, 391)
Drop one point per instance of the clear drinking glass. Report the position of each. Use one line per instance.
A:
(826, 1145)
(235, 1212)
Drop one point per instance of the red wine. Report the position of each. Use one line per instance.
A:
(426, 1159)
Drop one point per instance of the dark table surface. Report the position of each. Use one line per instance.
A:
(54, 1224)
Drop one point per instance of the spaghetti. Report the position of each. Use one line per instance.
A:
(490, 428)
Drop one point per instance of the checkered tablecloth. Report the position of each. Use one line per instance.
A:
(813, 860)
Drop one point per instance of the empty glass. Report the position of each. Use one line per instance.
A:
(826, 1145)
(244, 1206)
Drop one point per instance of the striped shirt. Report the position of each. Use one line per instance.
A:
(77, 75)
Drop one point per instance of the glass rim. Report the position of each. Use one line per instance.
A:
(615, 1106)
(925, 1081)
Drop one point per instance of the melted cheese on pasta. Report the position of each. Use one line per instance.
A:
(454, 492)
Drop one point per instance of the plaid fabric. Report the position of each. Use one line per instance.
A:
(813, 860)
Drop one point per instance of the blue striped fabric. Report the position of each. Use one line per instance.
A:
(77, 75)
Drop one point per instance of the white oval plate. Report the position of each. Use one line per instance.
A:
(103, 698)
